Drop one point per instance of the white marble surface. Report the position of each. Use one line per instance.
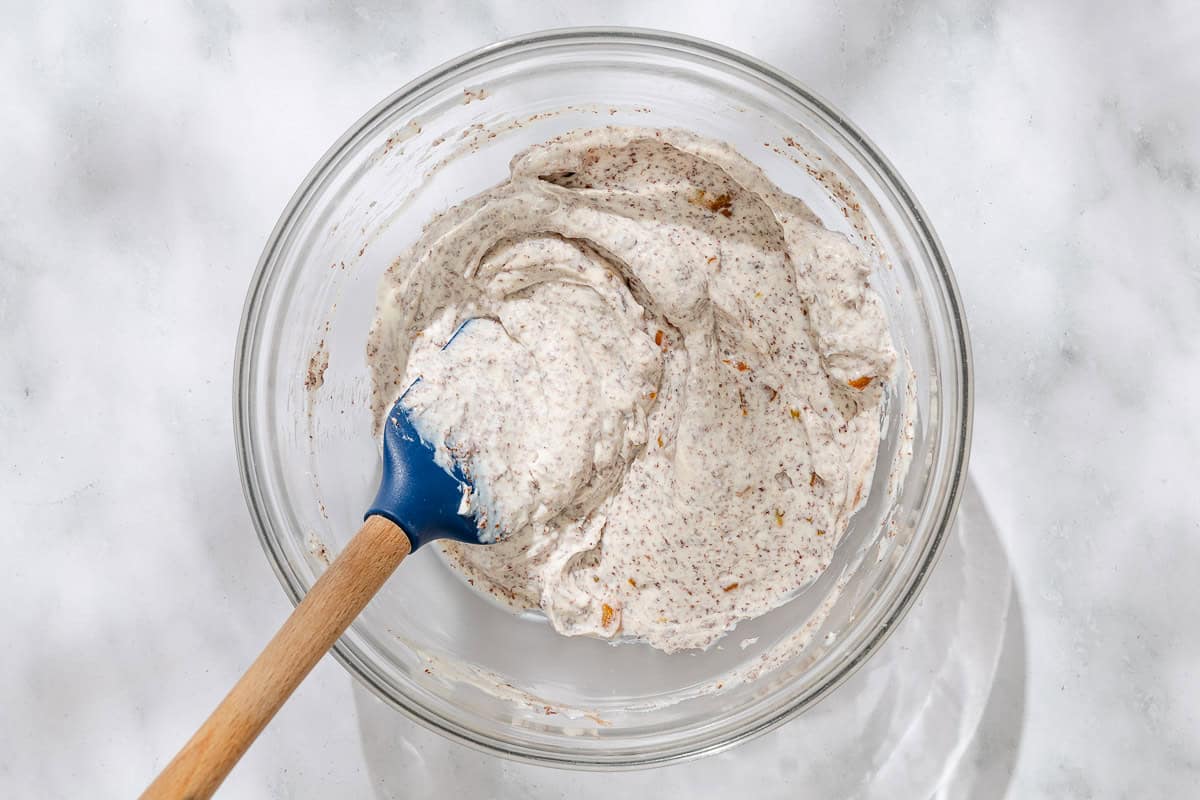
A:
(145, 152)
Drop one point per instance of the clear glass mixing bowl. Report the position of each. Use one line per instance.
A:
(430, 645)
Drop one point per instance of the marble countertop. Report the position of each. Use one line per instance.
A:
(145, 153)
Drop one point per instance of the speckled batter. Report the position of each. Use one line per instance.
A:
(669, 401)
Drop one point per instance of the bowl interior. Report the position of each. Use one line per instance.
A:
(429, 643)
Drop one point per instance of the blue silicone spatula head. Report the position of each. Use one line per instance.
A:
(415, 492)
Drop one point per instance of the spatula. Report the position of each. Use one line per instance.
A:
(418, 501)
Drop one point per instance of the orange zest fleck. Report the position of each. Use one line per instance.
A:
(779, 518)
(658, 338)
(795, 412)
(860, 383)
(652, 395)
(820, 532)
(660, 444)
(711, 259)
(606, 615)
(730, 587)
(633, 583)
(813, 478)
(741, 366)
(719, 204)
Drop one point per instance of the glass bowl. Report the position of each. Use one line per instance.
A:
(430, 645)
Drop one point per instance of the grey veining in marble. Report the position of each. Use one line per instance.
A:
(145, 152)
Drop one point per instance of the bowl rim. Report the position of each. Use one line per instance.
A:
(245, 360)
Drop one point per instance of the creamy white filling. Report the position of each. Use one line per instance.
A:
(669, 401)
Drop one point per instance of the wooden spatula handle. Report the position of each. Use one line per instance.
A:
(315, 624)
